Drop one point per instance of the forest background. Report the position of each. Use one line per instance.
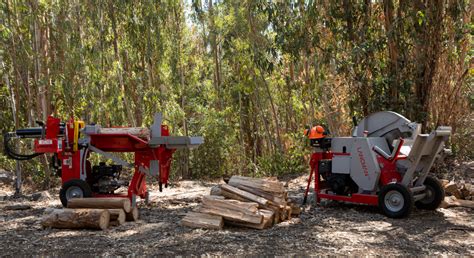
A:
(247, 75)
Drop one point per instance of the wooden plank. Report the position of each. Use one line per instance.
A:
(202, 220)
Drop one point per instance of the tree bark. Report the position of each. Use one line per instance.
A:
(133, 215)
(100, 203)
(391, 32)
(202, 220)
(76, 218)
(126, 104)
(117, 217)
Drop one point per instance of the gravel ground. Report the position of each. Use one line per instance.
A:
(330, 229)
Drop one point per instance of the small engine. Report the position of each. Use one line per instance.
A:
(106, 179)
(341, 184)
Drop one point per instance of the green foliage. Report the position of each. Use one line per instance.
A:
(246, 75)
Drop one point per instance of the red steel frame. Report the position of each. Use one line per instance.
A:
(321, 191)
(71, 160)
(388, 175)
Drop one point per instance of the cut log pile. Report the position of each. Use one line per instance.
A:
(457, 194)
(91, 213)
(244, 202)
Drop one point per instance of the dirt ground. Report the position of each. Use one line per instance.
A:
(331, 229)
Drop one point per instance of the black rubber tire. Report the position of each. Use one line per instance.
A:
(431, 202)
(407, 196)
(86, 189)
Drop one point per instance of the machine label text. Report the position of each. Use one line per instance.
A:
(362, 161)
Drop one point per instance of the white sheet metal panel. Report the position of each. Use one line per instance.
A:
(365, 170)
(341, 164)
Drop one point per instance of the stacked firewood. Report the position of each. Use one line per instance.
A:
(244, 202)
(92, 213)
(459, 194)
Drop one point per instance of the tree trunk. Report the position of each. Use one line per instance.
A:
(391, 32)
(215, 55)
(127, 107)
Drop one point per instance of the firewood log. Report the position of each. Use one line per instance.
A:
(100, 203)
(244, 194)
(267, 222)
(262, 184)
(202, 220)
(231, 209)
(132, 215)
(117, 217)
(76, 218)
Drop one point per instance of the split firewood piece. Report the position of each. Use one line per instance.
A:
(451, 201)
(216, 190)
(76, 218)
(132, 215)
(244, 194)
(202, 220)
(231, 209)
(219, 201)
(274, 197)
(100, 203)
(117, 217)
(262, 184)
(295, 209)
(267, 222)
(229, 195)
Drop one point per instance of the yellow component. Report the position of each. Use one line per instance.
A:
(77, 126)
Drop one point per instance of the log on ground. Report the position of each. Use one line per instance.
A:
(100, 203)
(132, 215)
(117, 217)
(76, 219)
(202, 220)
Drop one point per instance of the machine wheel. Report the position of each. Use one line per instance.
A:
(395, 200)
(434, 195)
(74, 188)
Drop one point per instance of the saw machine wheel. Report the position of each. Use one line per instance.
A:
(74, 188)
(434, 195)
(395, 200)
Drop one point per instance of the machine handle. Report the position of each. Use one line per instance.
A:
(394, 154)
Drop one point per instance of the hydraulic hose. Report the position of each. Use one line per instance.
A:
(11, 153)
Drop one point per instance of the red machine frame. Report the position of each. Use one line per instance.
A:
(388, 175)
(66, 148)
